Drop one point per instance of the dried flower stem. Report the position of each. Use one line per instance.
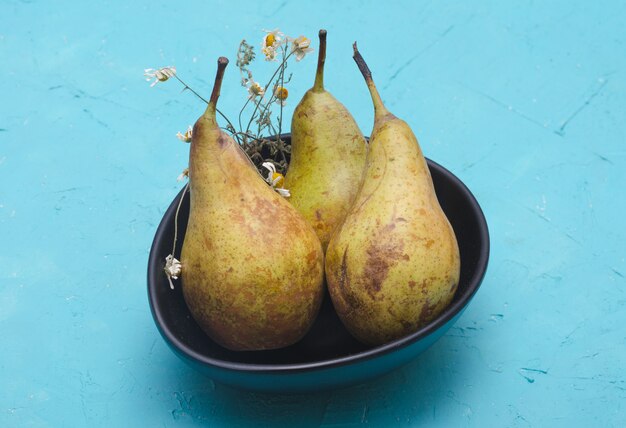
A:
(282, 85)
(176, 217)
(241, 111)
(187, 87)
(266, 86)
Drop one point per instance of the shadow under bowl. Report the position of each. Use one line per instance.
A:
(328, 356)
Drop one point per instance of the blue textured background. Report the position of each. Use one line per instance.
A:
(525, 102)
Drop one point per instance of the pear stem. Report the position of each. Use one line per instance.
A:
(379, 108)
(321, 59)
(222, 62)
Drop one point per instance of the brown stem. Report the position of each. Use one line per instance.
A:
(379, 107)
(321, 59)
(360, 62)
(222, 62)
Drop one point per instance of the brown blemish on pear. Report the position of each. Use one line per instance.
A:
(382, 253)
(252, 266)
(327, 156)
(403, 254)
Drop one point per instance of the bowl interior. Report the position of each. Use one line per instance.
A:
(328, 339)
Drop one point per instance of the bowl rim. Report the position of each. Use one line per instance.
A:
(154, 266)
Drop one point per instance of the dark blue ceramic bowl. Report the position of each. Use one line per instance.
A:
(327, 357)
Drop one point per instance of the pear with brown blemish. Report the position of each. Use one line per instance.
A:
(327, 156)
(394, 263)
(252, 267)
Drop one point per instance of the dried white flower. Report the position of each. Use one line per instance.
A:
(281, 94)
(275, 179)
(255, 90)
(183, 175)
(270, 54)
(300, 47)
(160, 75)
(271, 41)
(172, 269)
(186, 137)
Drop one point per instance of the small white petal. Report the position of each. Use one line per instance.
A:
(270, 166)
(283, 192)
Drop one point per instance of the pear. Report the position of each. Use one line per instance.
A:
(252, 267)
(327, 156)
(394, 263)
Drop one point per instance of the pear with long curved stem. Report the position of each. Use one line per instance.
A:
(394, 264)
(327, 156)
(252, 267)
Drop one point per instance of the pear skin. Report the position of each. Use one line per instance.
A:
(327, 156)
(252, 267)
(394, 264)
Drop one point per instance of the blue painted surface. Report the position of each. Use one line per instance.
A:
(525, 103)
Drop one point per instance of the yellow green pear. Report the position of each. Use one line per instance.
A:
(252, 267)
(394, 263)
(327, 156)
